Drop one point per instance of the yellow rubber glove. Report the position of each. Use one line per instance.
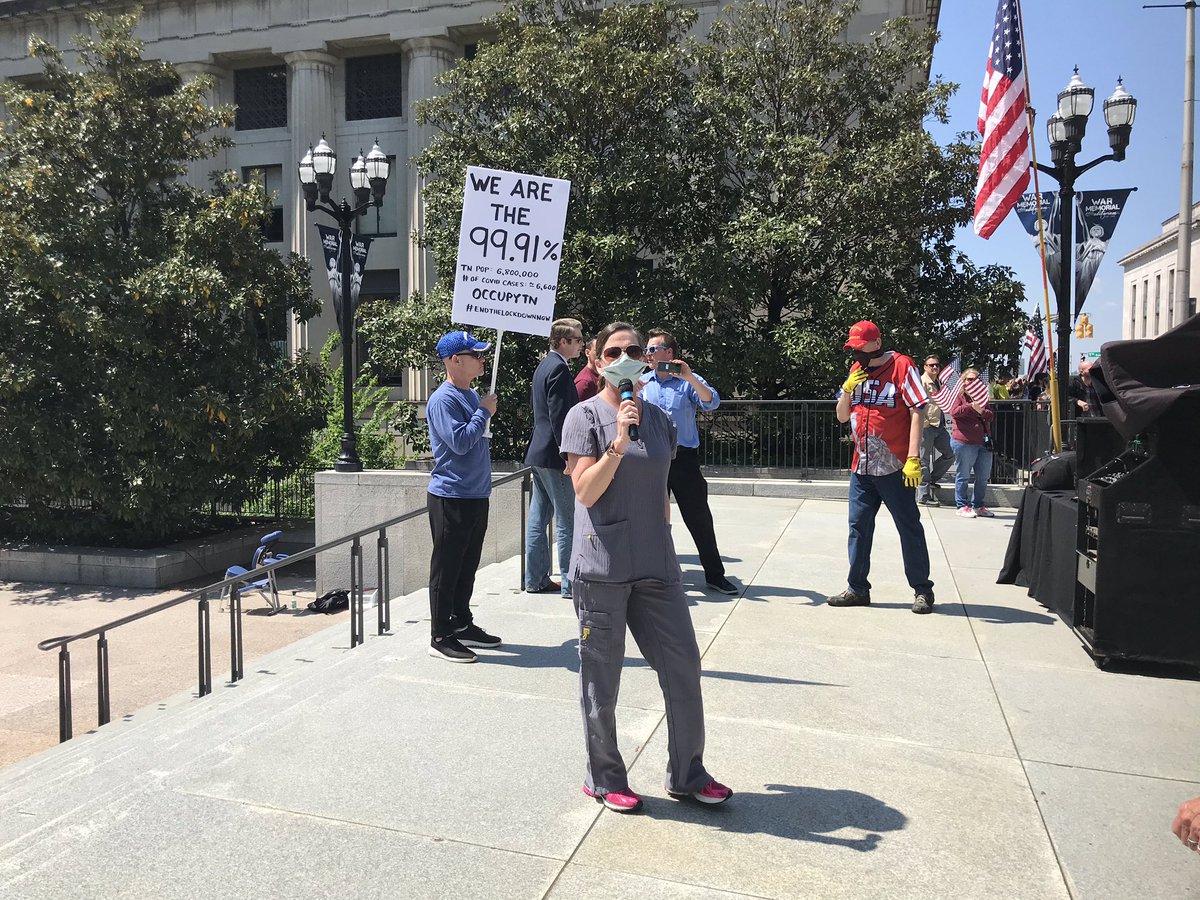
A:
(857, 377)
(912, 472)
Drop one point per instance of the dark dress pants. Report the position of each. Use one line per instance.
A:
(458, 527)
(686, 483)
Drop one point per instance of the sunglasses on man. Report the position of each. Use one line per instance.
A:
(474, 354)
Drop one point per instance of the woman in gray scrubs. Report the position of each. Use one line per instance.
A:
(624, 572)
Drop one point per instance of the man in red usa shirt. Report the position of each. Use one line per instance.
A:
(882, 400)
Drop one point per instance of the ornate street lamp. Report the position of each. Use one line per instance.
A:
(1065, 130)
(368, 180)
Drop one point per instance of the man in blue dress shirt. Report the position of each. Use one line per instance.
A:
(679, 395)
(459, 487)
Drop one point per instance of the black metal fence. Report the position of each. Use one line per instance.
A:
(803, 439)
(279, 497)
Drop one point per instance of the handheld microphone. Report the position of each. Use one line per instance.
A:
(626, 389)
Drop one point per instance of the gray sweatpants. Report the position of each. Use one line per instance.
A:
(657, 616)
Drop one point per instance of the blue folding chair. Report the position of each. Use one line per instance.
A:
(264, 555)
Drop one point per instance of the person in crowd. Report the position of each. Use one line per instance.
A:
(998, 390)
(551, 398)
(936, 455)
(624, 572)
(680, 394)
(587, 381)
(1186, 826)
(1018, 389)
(1081, 394)
(972, 450)
(459, 487)
(883, 399)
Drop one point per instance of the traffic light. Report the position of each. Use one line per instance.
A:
(1084, 328)
(1090, 329)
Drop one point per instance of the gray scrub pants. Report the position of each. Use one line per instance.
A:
(657, 616)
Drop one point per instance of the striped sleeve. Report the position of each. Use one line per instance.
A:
(911, 387)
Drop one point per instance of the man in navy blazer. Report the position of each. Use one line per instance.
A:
(552, 394)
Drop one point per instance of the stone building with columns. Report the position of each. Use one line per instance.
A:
(299, 69)
(1148, 283)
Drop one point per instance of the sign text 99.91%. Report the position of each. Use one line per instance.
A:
(519, 247)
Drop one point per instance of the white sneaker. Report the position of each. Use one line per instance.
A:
(967, 513)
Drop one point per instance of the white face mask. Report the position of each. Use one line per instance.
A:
(621, 368)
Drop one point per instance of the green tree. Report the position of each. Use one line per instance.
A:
(137, 313)
(567, 89)
(833, 203)
(756, 193)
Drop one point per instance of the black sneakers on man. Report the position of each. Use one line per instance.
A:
(474, 636)
(923, 604)
(451, 650)
(849, 598)
(722, 585)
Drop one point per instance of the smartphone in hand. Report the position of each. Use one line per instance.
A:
(668, 368)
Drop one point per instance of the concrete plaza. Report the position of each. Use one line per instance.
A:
(974, 753)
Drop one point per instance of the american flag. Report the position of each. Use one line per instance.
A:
(1004, 157)
(950, 386)
(977, 388)
(1035, 343)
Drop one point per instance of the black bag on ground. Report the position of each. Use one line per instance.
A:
(1053, 472)
(331, 601)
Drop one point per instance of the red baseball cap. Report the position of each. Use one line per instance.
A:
(861, 334)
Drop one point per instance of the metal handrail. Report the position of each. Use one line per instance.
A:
(357, 628)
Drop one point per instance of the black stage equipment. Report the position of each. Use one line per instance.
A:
(1137, 592)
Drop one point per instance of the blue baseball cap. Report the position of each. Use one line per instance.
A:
(459, 342)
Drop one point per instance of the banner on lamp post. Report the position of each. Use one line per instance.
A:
(1097, 212)
(1027, 213)
(360, 246)
(509, 245)
(331, 246)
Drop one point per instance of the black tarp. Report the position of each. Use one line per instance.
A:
(1141, 382)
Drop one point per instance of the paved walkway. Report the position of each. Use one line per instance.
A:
(974, 753)
(149, 660)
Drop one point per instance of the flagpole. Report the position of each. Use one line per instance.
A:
(1055, 410)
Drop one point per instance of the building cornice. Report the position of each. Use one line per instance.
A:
(1147, 249)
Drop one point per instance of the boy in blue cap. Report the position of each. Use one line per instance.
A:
(459, 487)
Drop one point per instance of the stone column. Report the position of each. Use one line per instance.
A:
(428, 57)
(222, 92)
(310, 114)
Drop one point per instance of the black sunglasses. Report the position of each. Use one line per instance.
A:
(633, 351)
(475, 354)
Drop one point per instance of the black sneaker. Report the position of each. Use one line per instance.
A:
(849, 598)
(451, 650)
(474, 636)
(923, 604)
(722, 586)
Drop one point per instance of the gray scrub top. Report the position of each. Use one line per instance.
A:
(624, 537)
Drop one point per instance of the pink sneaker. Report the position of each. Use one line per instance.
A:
(712, 793)
(625, 801)
(967, 513)
(984, 512)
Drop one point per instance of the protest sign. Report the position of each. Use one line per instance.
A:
(509, 245)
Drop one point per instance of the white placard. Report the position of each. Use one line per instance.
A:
(509, 246)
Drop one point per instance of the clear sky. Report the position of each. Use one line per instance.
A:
(1106, 39)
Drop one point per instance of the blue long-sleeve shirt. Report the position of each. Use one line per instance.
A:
(462, 457)
(679, 400)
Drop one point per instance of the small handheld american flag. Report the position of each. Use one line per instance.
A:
(1035, 343)
(951, 386)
